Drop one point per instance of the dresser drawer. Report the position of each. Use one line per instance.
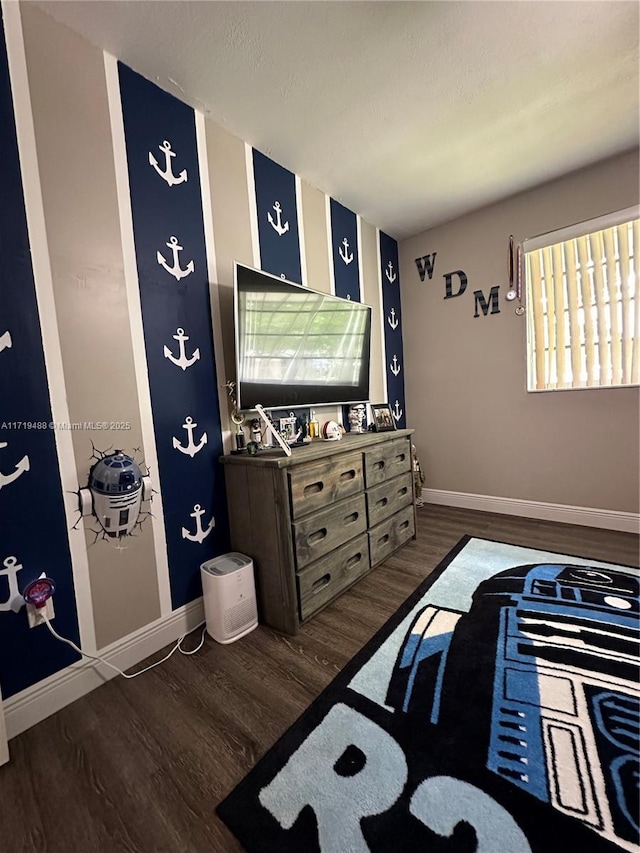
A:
(320, 484)
(387, 498)
(386, 461)
(391, 534)
(317, 534)
(324, 579)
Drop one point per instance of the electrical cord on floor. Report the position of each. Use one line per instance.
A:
(177, 647)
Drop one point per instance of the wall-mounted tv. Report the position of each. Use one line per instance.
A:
(297, 347)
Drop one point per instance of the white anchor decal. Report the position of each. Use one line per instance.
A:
(346, 257)
(190, 448)
(175, 270)
(20, 468)
(167, 175)
(182, 360)
(397, 411)
(278, 226)
(15, 600)
(392, 320)
(5, 341)
(395, 368)
(200, 535)
(390, 273)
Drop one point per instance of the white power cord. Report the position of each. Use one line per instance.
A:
(177, 647)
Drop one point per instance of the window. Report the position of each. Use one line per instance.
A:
(583, 305)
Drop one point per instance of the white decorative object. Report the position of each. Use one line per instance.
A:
(390, 274)
(278, 226)
(167, 175)
(20, 468)
(392, 320)
(175, 270)
(201, 533)
(395, 367)
(182, 360)
(344, 253)
(5, 341)
(190, 448)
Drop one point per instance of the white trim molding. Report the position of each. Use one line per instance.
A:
(609, 519)
(50, 695)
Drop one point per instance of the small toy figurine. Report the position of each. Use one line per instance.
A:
(256, 434)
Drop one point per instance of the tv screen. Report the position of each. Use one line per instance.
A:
(298, 347)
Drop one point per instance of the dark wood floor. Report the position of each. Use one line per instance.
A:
(140, 765)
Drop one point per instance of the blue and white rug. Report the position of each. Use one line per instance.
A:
(497, 710)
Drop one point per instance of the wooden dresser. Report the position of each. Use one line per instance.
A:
(318, 520)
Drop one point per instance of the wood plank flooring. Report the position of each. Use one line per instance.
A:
(140, 765)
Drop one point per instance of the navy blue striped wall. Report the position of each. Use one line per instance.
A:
(276, 206)
(344, 252)
(34, 527)
(168, 228)
(392, 327)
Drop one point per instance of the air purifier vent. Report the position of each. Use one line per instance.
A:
(240, 616)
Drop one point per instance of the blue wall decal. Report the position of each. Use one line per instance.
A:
(344, 252)
(34, 527)
(168, 227)
(276, 205)
(392, 327)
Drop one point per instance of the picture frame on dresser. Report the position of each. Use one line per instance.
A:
(383, 420)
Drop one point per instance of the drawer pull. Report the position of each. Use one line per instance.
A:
(348, 475)
(400, 457)
(403, 491)
(313, 488)
(404, 525)
(383, 501)
(319, 584)
(317, 536)
(353, 561)
(383, 539)
(349, 519)
(378, 466)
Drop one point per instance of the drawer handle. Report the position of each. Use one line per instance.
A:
(349, 519)
(317, 536)
(353, 561)
(316, 586)
(383, 501)
(400, 457)
(404, 524)
(348, 475)
(313, 488)
(383, 539)
(378, 466)
(403, 491)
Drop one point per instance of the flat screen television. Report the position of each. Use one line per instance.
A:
(297, 347)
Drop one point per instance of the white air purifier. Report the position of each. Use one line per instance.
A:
(229, 594)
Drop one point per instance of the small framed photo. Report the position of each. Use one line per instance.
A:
(383, 420)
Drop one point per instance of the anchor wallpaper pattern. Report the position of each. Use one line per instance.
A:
(146, 204)
(176, 311)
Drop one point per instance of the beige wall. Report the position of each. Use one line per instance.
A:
(477, 429)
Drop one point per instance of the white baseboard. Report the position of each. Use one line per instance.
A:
(38, 702)
(629, 522)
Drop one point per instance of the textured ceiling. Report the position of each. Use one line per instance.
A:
(410, 113)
